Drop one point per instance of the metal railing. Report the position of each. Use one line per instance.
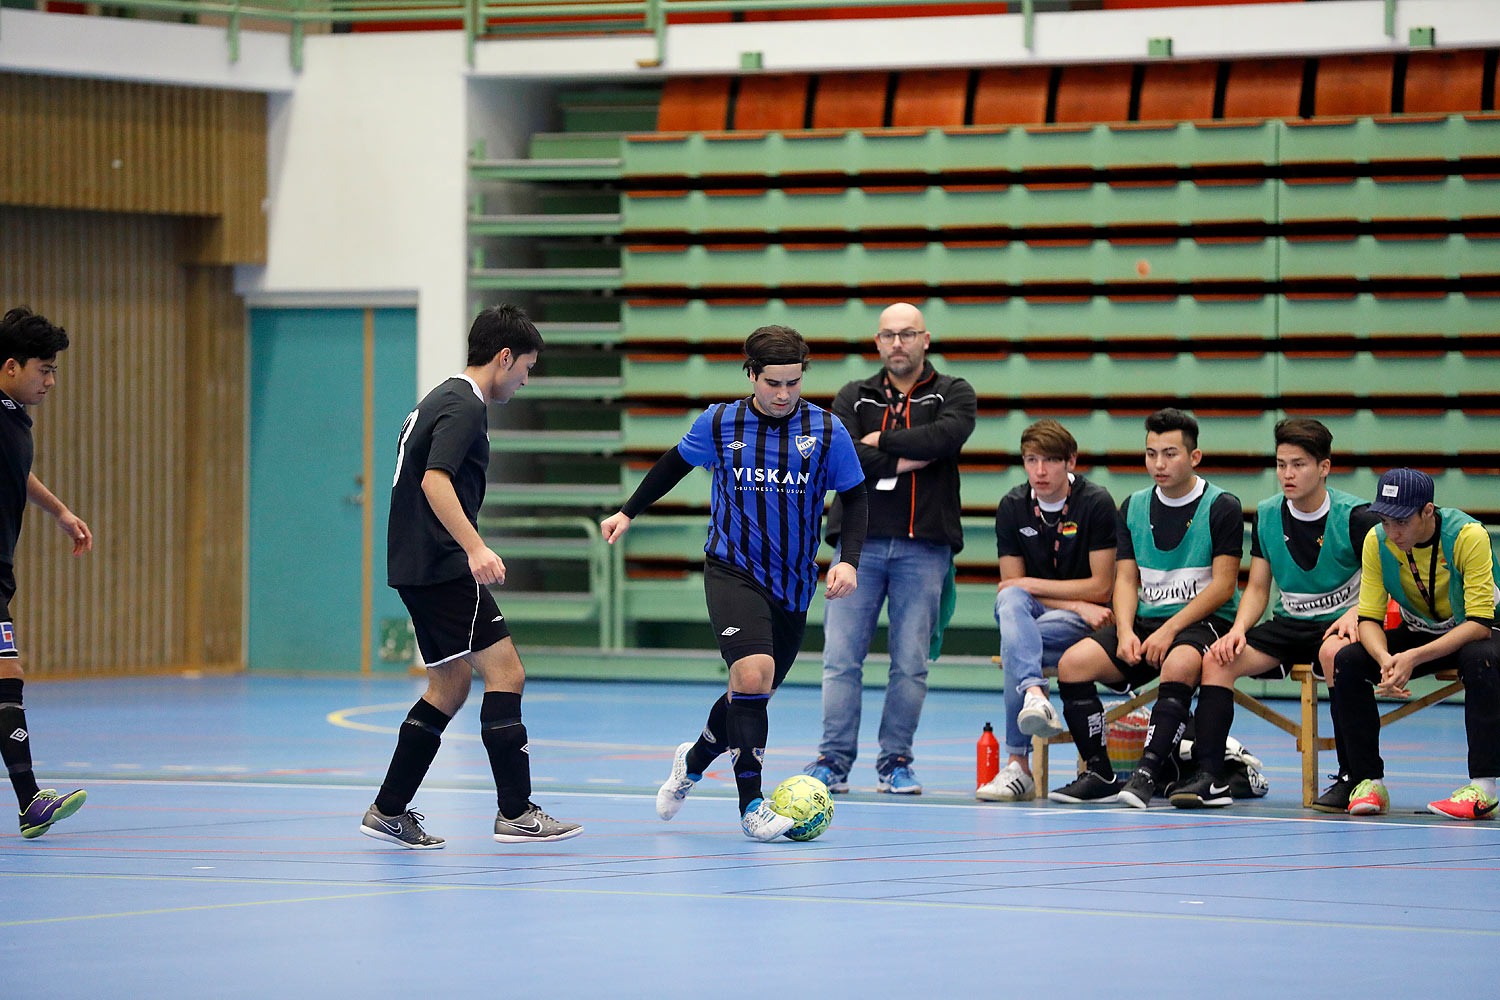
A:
(508, 18)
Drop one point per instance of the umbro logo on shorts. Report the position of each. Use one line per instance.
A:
(731, 630)
(19, 736)
(498, 618)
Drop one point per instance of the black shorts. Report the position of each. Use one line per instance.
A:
(1200, 635)
(8, 650)
(748, 621)
(1289, 642)
(453, 618)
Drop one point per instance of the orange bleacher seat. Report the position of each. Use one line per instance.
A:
(1354, 85)
(1445, 82)
(1094, 94)
(1136, 4)
(1176, 92)
(773, 103)
(694, 104)
(930, 98)
(1012, 96)
(850, 100)
(1263, 88)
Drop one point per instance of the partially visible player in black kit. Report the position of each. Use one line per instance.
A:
(29, 346)
(442, 569)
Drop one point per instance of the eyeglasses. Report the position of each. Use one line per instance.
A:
(905, 336)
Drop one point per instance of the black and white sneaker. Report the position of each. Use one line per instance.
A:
(403, 831)
(1139, 790)
(1089, 787)
(532, 827)
(1335, 798)
(1202, 791)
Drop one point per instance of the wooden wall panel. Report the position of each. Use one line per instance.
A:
(151, 385)
(107, 145)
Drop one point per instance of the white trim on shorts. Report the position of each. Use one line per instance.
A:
(473, 624)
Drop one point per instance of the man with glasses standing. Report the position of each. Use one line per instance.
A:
(908, 423)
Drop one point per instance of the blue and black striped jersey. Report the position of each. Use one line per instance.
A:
(770, 478)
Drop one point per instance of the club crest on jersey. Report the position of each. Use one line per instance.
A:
(7, 638)
(1067, 529)
(805, 444)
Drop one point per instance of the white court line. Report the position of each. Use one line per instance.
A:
(1058, 813)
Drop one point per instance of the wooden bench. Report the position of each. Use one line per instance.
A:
(1304, 731)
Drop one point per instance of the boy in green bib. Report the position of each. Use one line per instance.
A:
(1439, 566)
(1178, 562)
(1308, 539)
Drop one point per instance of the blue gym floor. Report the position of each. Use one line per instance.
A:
(218, 856)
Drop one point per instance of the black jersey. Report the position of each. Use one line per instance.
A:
(449, 430)
(16, 452)
(1056, 546)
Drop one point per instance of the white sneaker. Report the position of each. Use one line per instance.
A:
(674, 790)
(762, 823)
(1011, 785)
(1038, 718)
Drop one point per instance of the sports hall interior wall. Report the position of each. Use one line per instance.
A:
(124, 207)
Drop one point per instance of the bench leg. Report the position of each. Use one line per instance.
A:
(1308, 738)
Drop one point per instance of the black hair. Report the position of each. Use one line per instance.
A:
(1308, 434)
(499, 327)
(25, 335)
(774, 345)
(1172, 419)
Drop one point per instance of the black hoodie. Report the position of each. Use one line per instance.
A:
(934, 425)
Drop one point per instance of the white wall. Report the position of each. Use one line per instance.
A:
(145, 51)
(367, 186)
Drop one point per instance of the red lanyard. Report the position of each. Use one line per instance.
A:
(1055, 527)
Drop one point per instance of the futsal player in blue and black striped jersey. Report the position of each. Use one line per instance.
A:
(774, 457)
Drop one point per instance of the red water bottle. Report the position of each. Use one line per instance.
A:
(986, 757)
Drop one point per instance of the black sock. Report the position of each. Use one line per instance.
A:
(1084, 714)
(1168, 720)
(15, 741)
(748, 725)
(417, 743)
(504, 738)
(1215, 716)
(714, 739)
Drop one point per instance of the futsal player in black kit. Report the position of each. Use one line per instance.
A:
(29, 346)
(442, 569)
(774, 457)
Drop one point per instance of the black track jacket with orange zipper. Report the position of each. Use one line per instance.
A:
(931, 422)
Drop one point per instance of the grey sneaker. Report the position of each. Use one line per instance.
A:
(674, 791)
(533, 826)
(1038, 718)
(403, 831)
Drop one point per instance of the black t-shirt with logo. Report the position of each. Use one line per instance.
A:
(449, 430)
(1056, 545)
(16, 453)
(1304, 539)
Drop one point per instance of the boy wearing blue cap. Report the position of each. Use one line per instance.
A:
(1438, 565)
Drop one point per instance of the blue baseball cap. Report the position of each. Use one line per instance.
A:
(1402, 492)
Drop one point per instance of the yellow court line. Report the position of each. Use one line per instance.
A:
(214, 906)
(926, 904)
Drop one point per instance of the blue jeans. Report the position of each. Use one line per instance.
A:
(911, 572)
(1032, 636)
